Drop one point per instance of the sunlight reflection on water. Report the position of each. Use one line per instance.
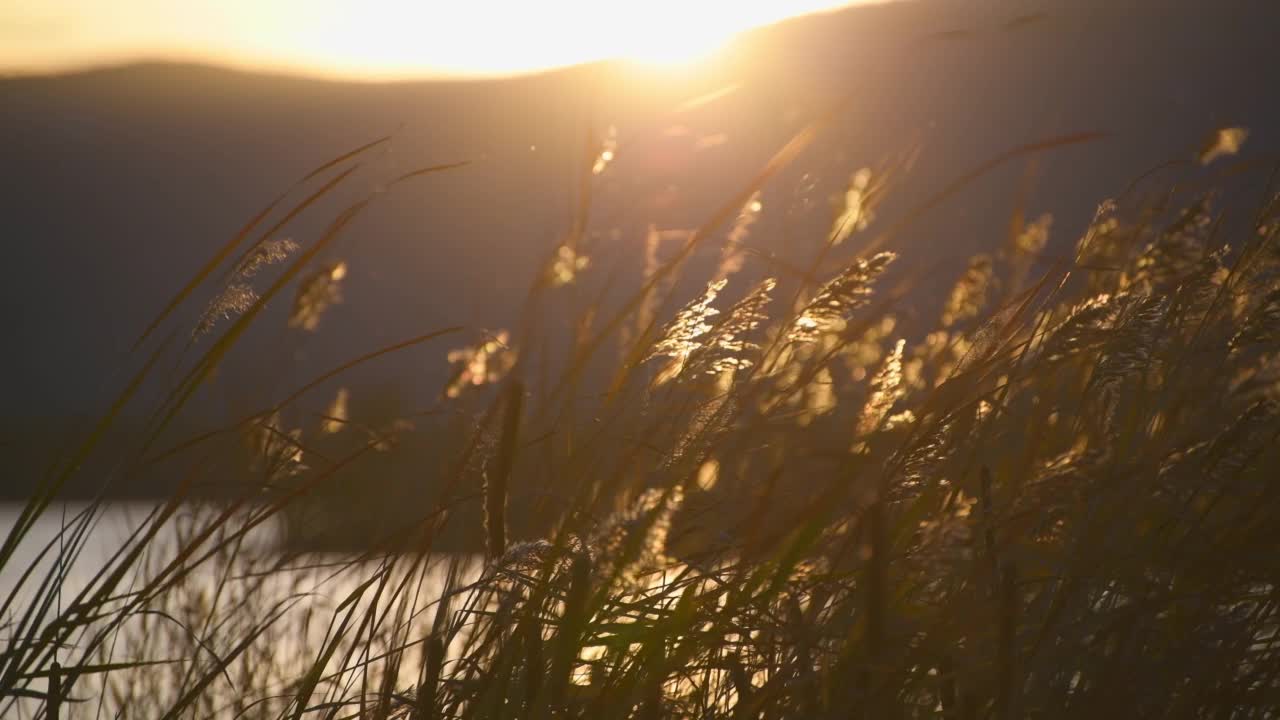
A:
(226, 594)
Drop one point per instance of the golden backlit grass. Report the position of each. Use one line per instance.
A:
(1058, 500)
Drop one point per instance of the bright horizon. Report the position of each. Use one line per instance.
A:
(376, 39)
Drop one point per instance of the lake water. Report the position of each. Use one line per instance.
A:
(109, 530)
(218, 604)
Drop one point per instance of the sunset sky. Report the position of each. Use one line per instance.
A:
(376, 39)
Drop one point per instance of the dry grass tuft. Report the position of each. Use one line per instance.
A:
(1058, 502)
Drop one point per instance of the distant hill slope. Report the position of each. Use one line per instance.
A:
(117, 183)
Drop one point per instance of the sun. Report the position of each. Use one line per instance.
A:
(388, 39)
(676, 55)
(669, 43)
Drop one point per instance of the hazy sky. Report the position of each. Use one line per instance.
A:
(375, 38)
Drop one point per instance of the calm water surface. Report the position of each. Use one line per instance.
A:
(317, 582)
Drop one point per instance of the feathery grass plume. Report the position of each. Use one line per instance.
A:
(1099, 245)
(274, 450)
(1228, 454)
(316, 293)
(732, 256)
(1201, 284)
(238, 296)
(1056, 487)
(608, 149)
(856, 211)
(915, 370)
(898, 420)
(1223, 142)
(1083, 328)
(706, 425)
(268, 253)
(685, 334)
(1127, 608)
(922, 460)
(724, 347)
(1130, 346)
(336, 416)
(526, 557)
(1178, 252)
(486, 362)
(969, 295)
(485, 443)
(634, 539)
(234, 300)
(1027, 245)
(840, 297)
(567, 265)
(885, 391)
(1261, 325)
(1035, 236)
(982, 344)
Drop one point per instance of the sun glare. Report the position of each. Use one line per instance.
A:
(380, 39)
(667, 39)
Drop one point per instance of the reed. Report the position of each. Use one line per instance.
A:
(1057, 500)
